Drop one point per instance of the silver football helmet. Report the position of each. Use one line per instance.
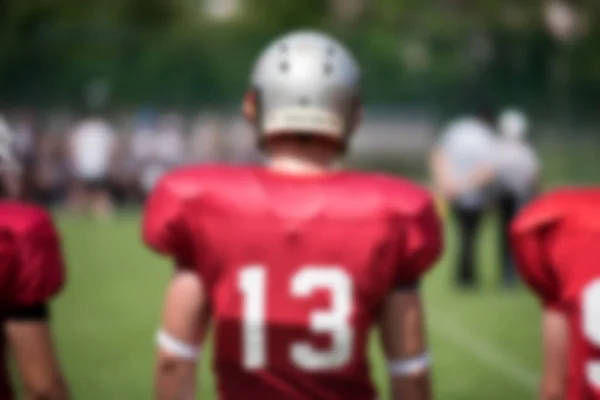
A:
(306, 83)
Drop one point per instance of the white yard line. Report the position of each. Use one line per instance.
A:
(486, 352)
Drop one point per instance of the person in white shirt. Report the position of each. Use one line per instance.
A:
(517, 179)
(463, 167)
(92, 145)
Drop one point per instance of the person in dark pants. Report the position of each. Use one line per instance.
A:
(468, 225)
(463, 167)
(508, 207)
(517, 181)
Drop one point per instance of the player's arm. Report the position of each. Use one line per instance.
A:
(403, 336)
(529, 244)
(555, 334)
(39, 275)
(180, 337)
(185, 308)
(402, 322)
(29, 336)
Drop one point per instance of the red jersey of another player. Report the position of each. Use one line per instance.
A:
(295, 267)
(556, 241)
(31, 265)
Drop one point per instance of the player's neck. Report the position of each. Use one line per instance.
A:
(301, 166)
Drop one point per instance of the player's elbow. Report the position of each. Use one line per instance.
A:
(50, 388)
(168, 363)
(173, 367)
(174, 378)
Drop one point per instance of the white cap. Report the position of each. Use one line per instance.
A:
(513, 124)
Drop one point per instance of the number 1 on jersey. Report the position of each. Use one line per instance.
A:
(252, 285)
(591, 327)
(334, 321)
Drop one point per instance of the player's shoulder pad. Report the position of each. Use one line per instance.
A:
(403, 195)
(191, 181)
(546, 210)
(24, 218)
(39, 267)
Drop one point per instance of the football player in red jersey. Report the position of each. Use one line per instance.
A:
(556, 241)
(31, 273)
(293, 263)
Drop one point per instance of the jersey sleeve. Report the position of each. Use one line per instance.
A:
(529, 241)
(164, 227)
(424, 244)
(38, 262)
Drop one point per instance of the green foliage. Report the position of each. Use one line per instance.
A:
(169, 53)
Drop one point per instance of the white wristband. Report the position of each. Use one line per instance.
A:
(176, 347)
(409, 366)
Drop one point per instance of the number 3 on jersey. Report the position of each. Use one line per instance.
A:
(252, 283)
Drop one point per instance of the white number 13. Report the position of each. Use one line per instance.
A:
(335, 321)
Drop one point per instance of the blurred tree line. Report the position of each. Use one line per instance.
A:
(425, 53)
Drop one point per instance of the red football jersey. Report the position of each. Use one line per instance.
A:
(31, 264)
(296, 268)
(556, 241)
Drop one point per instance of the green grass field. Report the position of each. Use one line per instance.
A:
(485, 345)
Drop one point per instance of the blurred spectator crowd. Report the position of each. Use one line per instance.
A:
(125, 153)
